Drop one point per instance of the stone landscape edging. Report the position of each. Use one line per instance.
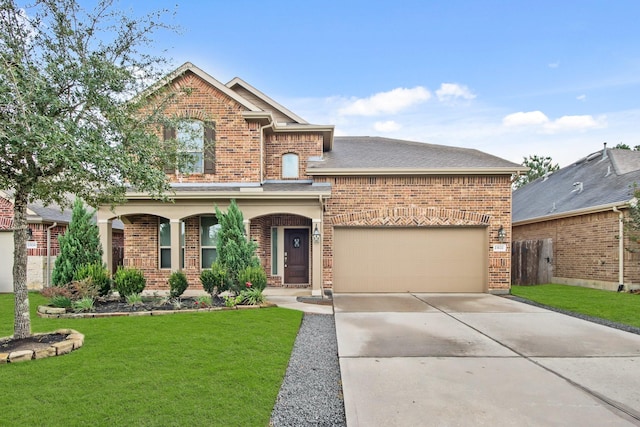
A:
(60, 313)
(73, 341)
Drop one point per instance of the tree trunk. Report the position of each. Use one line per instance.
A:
(22, 319)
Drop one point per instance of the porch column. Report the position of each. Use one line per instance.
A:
(175, 244)
(247, 228)
(106, 231)
(316, 262)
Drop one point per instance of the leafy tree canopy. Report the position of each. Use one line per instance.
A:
(622, 146)
(72, 118)
(538, 166)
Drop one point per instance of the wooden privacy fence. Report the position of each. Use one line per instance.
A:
(531, 262)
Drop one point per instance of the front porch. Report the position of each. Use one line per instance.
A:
(160, 238)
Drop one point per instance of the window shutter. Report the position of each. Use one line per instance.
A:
(209, 147)
(169, 133)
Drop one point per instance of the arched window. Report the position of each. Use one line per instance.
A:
(290, 165)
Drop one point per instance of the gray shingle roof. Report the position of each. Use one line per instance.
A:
(365, 152)
(599, 180)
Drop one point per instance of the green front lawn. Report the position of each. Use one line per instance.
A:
(222, 368)
(618, 307)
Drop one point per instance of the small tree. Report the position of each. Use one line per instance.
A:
(79, 246)
(71, 116)
(538, 167)
(632, 222)
(235, 251)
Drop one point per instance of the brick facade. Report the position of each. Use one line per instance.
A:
(237, 144)
(585, 248)
(421, 201)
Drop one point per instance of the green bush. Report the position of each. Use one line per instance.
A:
(129, 281)
(254, 275)
(60, 301)
(215, 279)
(251, 296)
(177, 284)
(83, 305)
(99, 276)
(79, 245)
(81, 289)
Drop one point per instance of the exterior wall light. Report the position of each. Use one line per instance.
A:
(316, 235)
(501, 234)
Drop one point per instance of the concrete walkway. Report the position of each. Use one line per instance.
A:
(482, 360)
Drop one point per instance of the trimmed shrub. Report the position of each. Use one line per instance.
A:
(177, 284)
(98, 275)
(254, 275)
(214, 280)
(129, 281)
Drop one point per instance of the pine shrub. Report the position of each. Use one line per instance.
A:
(234, 251)
(79, 245)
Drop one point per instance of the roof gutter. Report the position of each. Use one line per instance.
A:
(578, 212)
(412, 171)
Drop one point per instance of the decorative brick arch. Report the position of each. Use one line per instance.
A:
(414, 216)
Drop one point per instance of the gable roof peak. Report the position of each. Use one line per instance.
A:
(189, 66)
(237, 81)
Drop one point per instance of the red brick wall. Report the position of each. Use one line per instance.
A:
(452, 199)
(584, 247)
(40, 236)
(237, 141)
(305, 145)
(6, 214)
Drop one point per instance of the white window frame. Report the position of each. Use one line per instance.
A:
(207, 247)
(191, 134)
(290, 165)
(162, 220)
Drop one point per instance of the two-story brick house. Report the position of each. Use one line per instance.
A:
(356, 214)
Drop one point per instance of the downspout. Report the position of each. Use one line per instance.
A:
(49, 253)
(262, 128)
(620, 249)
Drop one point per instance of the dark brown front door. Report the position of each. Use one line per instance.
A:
(296, 256)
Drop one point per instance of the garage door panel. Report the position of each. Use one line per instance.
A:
(410, 259)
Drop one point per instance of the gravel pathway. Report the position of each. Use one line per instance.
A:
(311, 392)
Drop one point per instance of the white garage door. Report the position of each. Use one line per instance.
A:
(6, 261)
(410, 259)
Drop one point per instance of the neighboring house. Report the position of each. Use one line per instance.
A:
(355, 214)
(580, 208)
(45, 224)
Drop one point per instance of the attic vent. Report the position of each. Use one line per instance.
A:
(577, 187)
(604, 151)
(608, 171)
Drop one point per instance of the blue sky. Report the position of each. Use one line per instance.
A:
(511, 78)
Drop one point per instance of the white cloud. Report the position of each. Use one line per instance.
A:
(554, 64)
(525, 119)
(391, 102)
(572, 123)
(451, 91)
(562, 124)
(582, 97)
(388, 126)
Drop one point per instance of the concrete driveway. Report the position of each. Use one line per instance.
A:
(478, 359)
